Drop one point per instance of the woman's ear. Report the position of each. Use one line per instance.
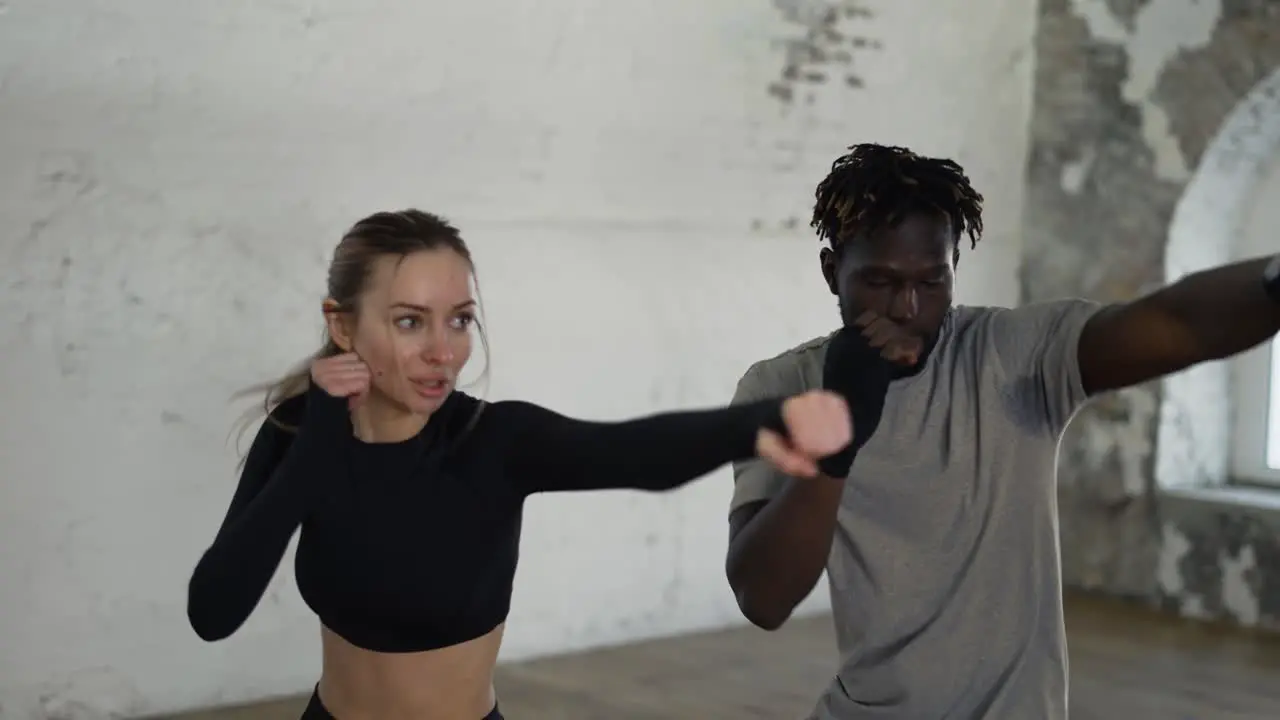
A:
(338, 322)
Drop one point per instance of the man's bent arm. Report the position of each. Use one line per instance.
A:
(777, 550)
(779, 547)
(780, 528)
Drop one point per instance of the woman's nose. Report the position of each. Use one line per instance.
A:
(438, 349)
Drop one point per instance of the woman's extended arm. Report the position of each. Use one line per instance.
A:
(547, 451)
(282, 478)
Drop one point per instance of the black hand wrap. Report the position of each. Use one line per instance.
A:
(857, 372)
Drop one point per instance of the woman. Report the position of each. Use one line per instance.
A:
(409, 492)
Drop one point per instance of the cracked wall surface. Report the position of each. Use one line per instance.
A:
(1149, 117)
(1220, 560)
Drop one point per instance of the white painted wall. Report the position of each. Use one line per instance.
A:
(173, 177)
(1261, 216)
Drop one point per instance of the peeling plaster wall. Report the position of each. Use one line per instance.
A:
(635, 178)
(1150, 121)
(1221, 201)
(1221, 559)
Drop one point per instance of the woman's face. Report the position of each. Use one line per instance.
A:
(414, 327)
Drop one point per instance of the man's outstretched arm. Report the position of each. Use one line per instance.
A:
(1205, 316)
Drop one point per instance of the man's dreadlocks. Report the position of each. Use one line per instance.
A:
(876, 186)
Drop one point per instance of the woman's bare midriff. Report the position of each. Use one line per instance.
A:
(452, 683)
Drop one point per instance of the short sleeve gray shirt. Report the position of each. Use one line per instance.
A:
(945, 571)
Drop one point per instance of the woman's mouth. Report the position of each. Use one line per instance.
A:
(431, 389)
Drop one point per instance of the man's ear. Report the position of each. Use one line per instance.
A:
(829, 262)
(338, 322)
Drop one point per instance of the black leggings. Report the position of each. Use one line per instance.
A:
(317, 711)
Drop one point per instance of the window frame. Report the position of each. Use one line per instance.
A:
(1255, 375)
(1255, 452)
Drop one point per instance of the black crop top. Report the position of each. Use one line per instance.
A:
(412, 546)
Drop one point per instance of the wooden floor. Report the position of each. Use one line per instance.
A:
(1127, 663)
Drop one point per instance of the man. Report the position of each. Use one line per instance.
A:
(941, 544)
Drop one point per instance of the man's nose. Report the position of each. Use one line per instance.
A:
(905, 305)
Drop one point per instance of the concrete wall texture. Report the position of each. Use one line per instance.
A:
(1156, 126)
(635, 178)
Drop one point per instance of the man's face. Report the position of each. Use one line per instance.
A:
(905, 273)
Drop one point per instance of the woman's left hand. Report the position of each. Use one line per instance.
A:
(818, 425)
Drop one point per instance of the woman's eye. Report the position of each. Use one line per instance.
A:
(407, 323)
(462, 322)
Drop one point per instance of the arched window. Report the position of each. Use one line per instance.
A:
(1255, 376)
(1217, 422)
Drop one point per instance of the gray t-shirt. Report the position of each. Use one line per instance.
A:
(945, 572)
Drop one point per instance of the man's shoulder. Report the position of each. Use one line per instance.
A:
(808, 354)
(969, 316)
(966, 318)
(1021, 323)
(791, 371)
